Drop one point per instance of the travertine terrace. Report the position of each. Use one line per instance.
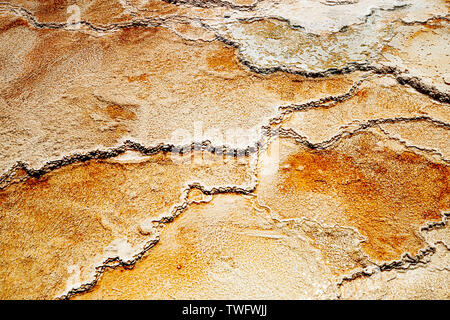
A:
(217, 149)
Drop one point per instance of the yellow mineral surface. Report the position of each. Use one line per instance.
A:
(238, 149)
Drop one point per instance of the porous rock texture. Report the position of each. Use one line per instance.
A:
(244, 149)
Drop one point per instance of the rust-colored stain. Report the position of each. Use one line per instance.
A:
(130, 35)
(141, 77)
(221, 60)
(49, 6)
(57, 10)
(362, 94)
(52, 10)
(386, 195)
(71, 214)
(48, 53)
(14, 24)
(120, 112)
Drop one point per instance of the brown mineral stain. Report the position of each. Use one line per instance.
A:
(386, 195)
(223, 60)
(362, 94)
(423, 35)
(141, 77)
(52, 10)
(390, 49)
(192, 32)
(421, 32)
(267, 28)
(53, 5)
(244, 2)
(159, 7)
(185, 63)
(14, 24)
(116, 112)
(130, 35)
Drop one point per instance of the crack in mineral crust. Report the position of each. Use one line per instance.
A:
(115, 206)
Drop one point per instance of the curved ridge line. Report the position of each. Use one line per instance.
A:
(353, 66)
(113, 263)
(113, 152)
(8, 178)
(407, 261)
(291, 133)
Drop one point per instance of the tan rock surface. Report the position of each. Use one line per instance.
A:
(234, 244)
(222, 249)
(224, 149)
(377, 101)
(366, 181)
(103, 90)
(56, 229)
